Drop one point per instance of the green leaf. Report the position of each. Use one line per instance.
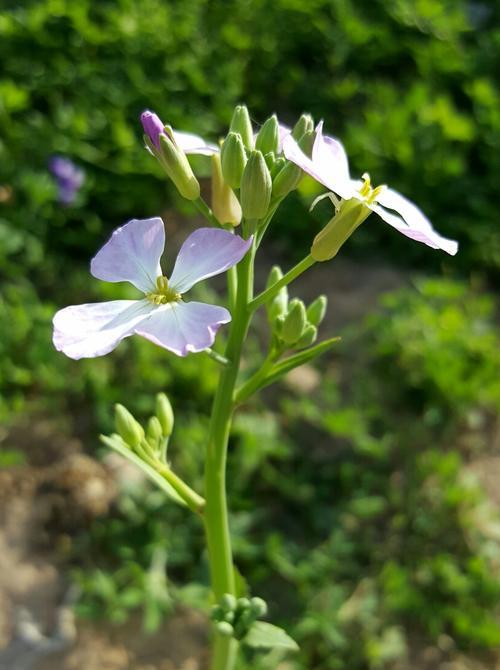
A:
(292, 362)
(115, 442)
(268, 636)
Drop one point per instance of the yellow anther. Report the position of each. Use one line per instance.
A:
(163, 294)
(367, 192)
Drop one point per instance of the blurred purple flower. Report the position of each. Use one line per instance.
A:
(133, 254)
(69, 178)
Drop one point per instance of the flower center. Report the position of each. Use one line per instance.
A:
(163, 293)
(367, 192)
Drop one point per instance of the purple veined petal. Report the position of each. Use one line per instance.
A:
(411, 221)
(194, 144)
(95, 329)
(328, 169)
(132, 254)
(184, 327)
(205, 253)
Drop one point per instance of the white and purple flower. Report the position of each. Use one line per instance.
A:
(330, 167)
(69, 178)
(133, 254)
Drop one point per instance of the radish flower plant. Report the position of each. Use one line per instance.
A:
(252, 173)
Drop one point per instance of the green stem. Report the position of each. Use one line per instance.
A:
(194, 501)
(202, 207)
(216, 513)
(292, 274)
(253, 383)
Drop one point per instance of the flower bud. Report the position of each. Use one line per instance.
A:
(233, 159)
(225, 204)
(288, 178)
(177, 166)
(224, 628)
(278, 305)
(242, 604)
(304, 125)
(317, 310)
(228, 602)
(161, 143)
(328, 241)
(127, 427)
(240, 123)
(256, 187)
(295, 322)
(165, 414)
(154, 432)
(270, 159)
(308, 337)
(258, 607)
(268, 138)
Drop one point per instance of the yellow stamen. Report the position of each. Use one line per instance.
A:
(163, 293)
(367, 192)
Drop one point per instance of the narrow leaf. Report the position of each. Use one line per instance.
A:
(267, 636)
(116, 443)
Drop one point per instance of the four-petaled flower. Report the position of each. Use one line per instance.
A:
(133, 254)
(329, 166)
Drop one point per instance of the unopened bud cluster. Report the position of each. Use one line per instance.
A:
(233, 617)
(292, 324)
(153, 441)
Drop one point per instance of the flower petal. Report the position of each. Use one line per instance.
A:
(328, 164)
(132, 254)
(411, 221)
(194, 144)
(205, 253)
(184, 327)
(86, 331)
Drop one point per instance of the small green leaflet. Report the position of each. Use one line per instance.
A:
(268, 636)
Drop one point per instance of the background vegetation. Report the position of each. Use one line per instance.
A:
(401, 543)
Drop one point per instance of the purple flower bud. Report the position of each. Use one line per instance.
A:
(153, 126)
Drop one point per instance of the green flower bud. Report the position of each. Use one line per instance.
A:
(127, 427)
(240, 123)
(242, 604)
(176, 165)
(217, 613)
(268, 138)
(290, 175)
(228, 602)
(328, 241)
(233, 159)
(154, 432)
(256, 187)
(317, 310)
(225, 204)
(309, 337)
(286, 180)
(165, 414)
(229, 617)
(295, 322)
(304, 125)
(270, 159)
(278, 165)
(278, 305)
(258, 607)
(224, 628)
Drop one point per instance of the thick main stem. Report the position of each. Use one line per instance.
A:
(216, 513)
